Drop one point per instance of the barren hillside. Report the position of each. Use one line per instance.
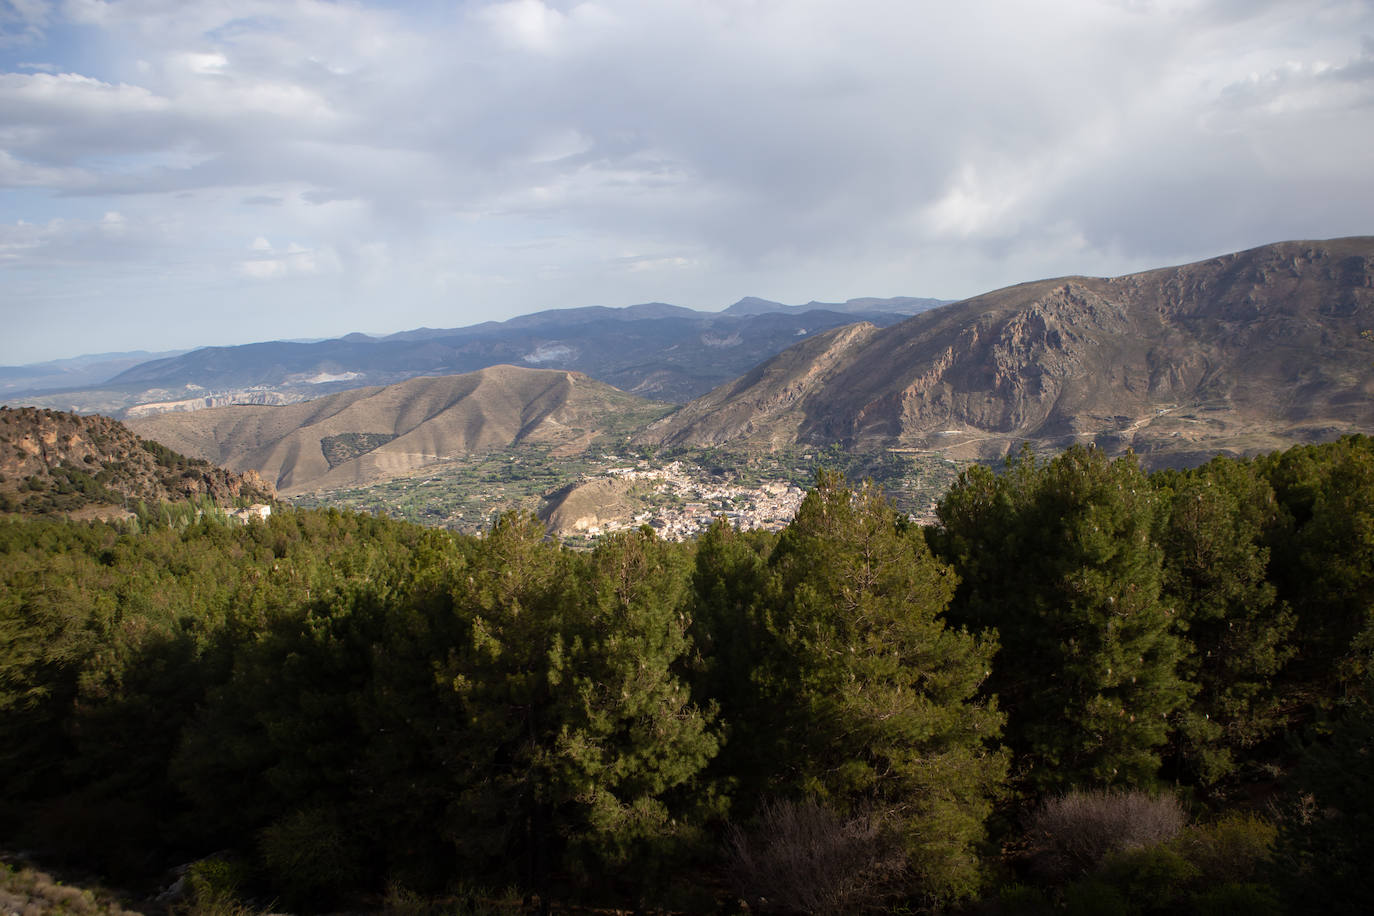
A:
(368, 434)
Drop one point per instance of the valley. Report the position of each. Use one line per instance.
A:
(190, 602)
(677, 494)
(1240, 354)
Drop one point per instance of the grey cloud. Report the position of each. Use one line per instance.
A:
(716, 142)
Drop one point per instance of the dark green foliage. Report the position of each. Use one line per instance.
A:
(497, 708)
(352, 704)
(313, 857)
(112, 640)
(346, 447)
(1095, 897)
(729, 633)
(632, 735)
(1151, 879)
(1252, 899)
(1204, 869)
(570, 728)
(1327, 840)
(1216, 567)
(1323, 552)
(863, 697)
(1059, 559)
(1237, 849)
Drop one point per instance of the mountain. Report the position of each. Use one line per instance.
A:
(654, 349)
(369, 434)
(62, 463)
(76, 372)
(1246, 352)
(899, 305)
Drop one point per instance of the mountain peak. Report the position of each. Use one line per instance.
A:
(753, 305)
(1243, 353)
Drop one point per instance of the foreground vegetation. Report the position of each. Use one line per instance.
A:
(1086, 689)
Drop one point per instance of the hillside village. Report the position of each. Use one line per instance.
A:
(693, 502)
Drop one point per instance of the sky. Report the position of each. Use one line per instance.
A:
(177, 173)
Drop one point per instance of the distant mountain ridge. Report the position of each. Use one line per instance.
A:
(898, 305)
(1244, 352)
(653, 349)
(75, 372)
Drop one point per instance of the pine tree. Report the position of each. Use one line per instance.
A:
(631, 742)
(1235, 630)
(1323, 557)
(871, 698)
(573, 727)
(1058, 559)
(730, 638)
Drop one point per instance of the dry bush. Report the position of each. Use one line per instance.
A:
(30, 892)
(804, 858)
(1072, 834)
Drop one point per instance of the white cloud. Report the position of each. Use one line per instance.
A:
(527, 24)
(52, 97)
(525, 154)
(294, 260)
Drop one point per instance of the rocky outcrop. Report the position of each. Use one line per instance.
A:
(763, 404)
(52, 461)
(1250, 351)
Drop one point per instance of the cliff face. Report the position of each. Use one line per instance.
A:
(1249, 351)
(55, 462)
(764, 404)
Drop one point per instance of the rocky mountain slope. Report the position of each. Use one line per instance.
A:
(369, 434)
(1245, 352)
(61, 463)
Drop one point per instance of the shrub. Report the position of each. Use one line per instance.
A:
(1232, 850)
(311, 857)
(1094, 897)
(803, 857)
(1152, 878)
(1250, 899)
(34, 893)
(1072, 834)
(216, 886)
(1023, 900)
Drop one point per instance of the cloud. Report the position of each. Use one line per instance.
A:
(516, 155)
(526, 24)
(22, 22)
(268, 263)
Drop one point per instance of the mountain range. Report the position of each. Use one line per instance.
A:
(1241, 353)
(1247, 352)
(74, 373)
(654, 350)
